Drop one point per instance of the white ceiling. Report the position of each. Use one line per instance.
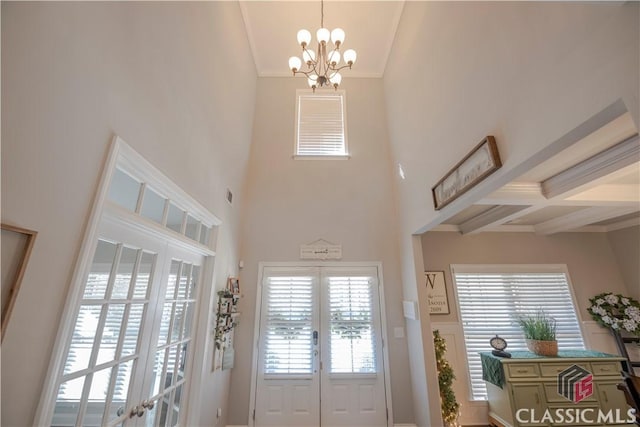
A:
(370, 28)
(595, 193)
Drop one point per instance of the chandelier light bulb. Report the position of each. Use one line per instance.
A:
(308, 56)
(294, 63)
(304, 37)
(337, 37)
(323, 35)
(350, 56)
(335, 79)
(333, 57)
(312, 81)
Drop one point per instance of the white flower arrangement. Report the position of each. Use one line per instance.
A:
(616, 312)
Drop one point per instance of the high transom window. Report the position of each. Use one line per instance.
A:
(321, 124)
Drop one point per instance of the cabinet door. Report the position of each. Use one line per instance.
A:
(528, 404)
(612, 399)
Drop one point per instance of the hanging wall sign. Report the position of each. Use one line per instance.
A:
(320, 249)
(436, 292)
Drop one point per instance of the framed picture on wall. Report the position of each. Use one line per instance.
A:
(234, 285)
(436, 292)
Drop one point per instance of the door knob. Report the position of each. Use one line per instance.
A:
(147, 404)
(136, 410)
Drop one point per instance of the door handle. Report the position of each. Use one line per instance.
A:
(148, 404)
(136, 410)
(315, 337)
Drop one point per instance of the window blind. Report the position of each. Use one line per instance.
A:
(320, 125)
(351, 322)
(288, 325)
(491, 302)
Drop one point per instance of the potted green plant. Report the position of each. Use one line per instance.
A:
(540, 333)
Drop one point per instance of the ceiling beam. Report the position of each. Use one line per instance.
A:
(587, 173)
(581, 218)
(491, 218)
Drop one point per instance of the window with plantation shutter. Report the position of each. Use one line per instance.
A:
(351, 323)
(288, 325)
(321, 124)
(491, 298)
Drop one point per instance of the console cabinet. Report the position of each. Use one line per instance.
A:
(530, 386)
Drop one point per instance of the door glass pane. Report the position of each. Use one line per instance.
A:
(97, 397)
(195, 275)
(288, 325)
(98, 278)
(186, 326)
(178, 320)
(185, 277)
(110, 334)
(352, 342)
(192, 228)
(144, 275)
(152, 205)
(124, 190)
(130, 344)
(157, 372)
(68, 402)
(125, 271)
(175, 217)
(165, 322)
(176, 406)
(173, 280)
(121, 390)
(84, 334)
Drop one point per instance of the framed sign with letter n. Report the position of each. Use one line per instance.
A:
(436, 292)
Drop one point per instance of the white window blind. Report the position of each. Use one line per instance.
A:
(288, 325)
(320, 125)
(490, 303)
(353, 339)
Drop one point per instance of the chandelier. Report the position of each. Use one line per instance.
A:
(323, 65)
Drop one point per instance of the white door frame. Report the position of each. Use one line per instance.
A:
(122, 155)
(256, 327)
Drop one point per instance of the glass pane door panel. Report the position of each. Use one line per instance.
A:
(111, 334)
(83, 337)
(97, 397)
(144, 276)
(132, 331)
(126, 264)
(120, 386)
(98, 279)
(173, 280)
(68, 403)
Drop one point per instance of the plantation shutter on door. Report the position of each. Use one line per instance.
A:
(288, 325)
(320, 127)
(490, 303)
(353, 339)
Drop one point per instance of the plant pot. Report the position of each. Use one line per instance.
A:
(543, 348)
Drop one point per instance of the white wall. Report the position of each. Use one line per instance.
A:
(293, 202)
(625, 244)
(526, 72)
(174, 80)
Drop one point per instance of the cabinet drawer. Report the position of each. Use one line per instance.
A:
(523, 370)
(553, 369)
(552, 395)
(605, 368)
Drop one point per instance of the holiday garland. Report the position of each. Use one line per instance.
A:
(616, 312)
(448, 403)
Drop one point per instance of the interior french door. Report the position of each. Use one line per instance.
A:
(128, 356)
(320, 360)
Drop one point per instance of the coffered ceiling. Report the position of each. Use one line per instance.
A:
(370, 28)
(594, 185)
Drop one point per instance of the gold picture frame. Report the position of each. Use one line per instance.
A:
(17, 244)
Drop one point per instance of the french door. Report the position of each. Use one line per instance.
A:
(320, 360)
(128, 357)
